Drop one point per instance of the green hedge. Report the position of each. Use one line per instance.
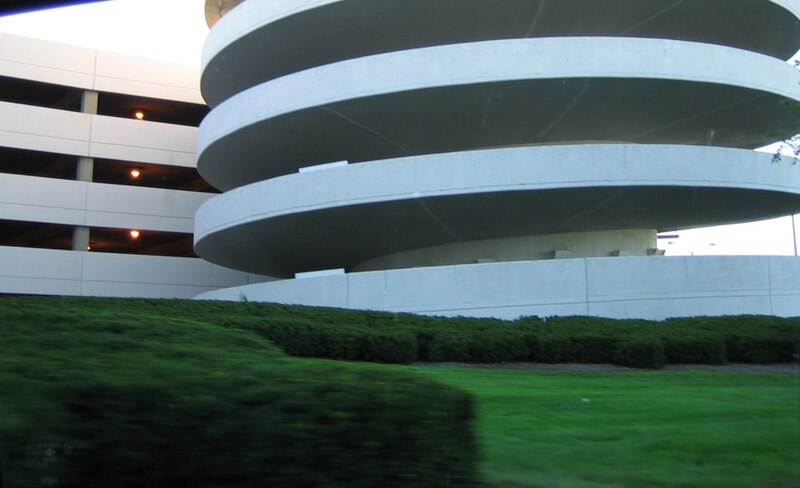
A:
(749, 339)
(640, 352)
(760, 348)
(557, 346)
(98, 397)
(122, 392)
(694, 347)
(311, 426)
(403, 338)
(480, 346)
(307, 339)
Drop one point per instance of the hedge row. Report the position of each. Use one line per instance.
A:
(311, 426)
(635, 343)
(305, 339)
(403, 338)
(95, 397)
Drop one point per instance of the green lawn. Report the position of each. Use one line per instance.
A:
(535, 429)
(640, 429)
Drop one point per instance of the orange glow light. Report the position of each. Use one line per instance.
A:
(135, 173)
(134, 234)
(139, 115)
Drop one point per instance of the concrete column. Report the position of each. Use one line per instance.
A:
(85, 169)
(86, 165)
(85, 172)
(80, 239)
(89, 102)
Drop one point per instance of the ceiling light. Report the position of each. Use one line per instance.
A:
(139, 115)
(134, 234)
(135, 173)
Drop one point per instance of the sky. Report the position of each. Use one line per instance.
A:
(175, 30)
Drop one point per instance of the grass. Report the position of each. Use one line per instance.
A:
(670, 429)
(536, 429)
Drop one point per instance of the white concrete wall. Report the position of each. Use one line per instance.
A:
(122, 73)
(495, 62)
(53, 272)
(227, 53)
(80, 67)
(59, 131)
(97, 136)
(634, 242)
(623, 287)
(33, 199)
(343, 192)
(143, 141)
(388, 104)
(42, 129)
(497, 170)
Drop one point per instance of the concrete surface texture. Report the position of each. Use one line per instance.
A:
(486, 141)
(49, 105)
(618, 287)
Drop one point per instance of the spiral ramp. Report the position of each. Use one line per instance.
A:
(470, 157)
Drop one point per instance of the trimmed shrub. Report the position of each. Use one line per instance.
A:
(478, 346)
(498, 346)
(685, 347)
(97, 397)
(593, 348)
(532, 344)
(390, 347)
(449, 347)
(341, 343)
(346, 334)
(294, 337)
(760, 349)
(639, 352)
(555, 348)
(308, 426)
(424, 338)
(300, 338)
(530, 321)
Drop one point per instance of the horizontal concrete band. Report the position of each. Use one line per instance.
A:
(57, 201)
(90, 69)
(98, 136)
(55, 272)
(291, 35)
(623, 287)
(342, 216)
(498, 93)
(563, 245)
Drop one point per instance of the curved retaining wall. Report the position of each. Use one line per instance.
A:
(630, 287)
(472, 137)
(498, 93)
(355, 28)
(343, 216)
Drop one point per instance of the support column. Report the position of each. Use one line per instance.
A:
(85, 169)
(85, 172)
(86, 165)
(80, 239)
(89, 102)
